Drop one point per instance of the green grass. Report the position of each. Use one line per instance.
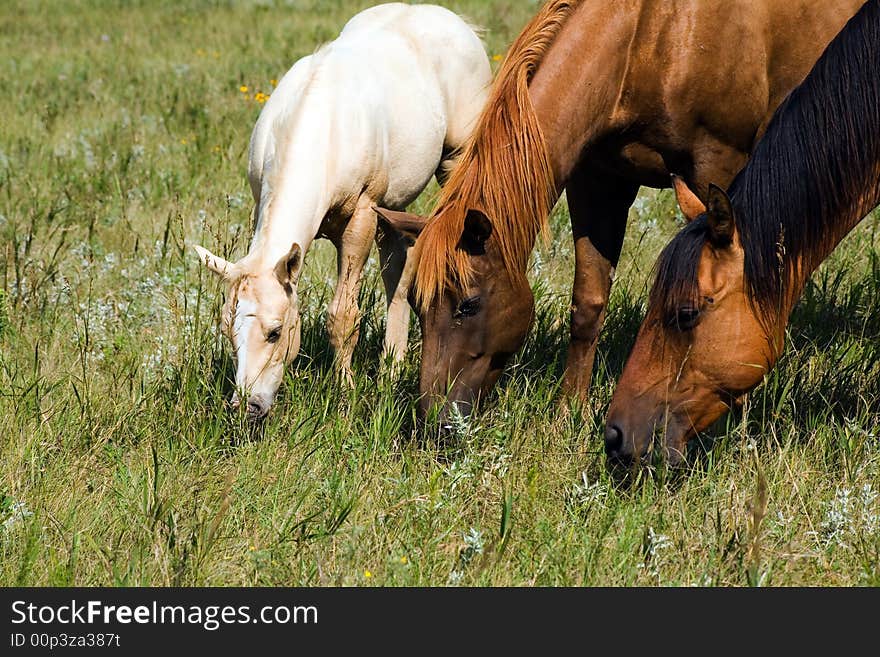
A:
(124, 134)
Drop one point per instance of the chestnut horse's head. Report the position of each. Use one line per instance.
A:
(703, 343)
(261, 320)
(474, 302)
(473, 323)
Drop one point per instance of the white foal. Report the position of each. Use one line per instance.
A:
(365, 121)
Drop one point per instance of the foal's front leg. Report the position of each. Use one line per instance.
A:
(343, 316)
(397, 271)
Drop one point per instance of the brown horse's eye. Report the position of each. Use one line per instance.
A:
(273, 335)
(467, 308)
(686, 317)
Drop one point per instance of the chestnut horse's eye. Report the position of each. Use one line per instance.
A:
(467, 308)
(273, 335)
(686, 317)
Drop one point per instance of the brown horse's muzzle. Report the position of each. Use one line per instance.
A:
(635, 436)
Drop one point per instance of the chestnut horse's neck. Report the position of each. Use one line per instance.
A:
(554, 93)
(576, 89)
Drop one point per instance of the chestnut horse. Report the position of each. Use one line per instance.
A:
(726, 284)
(594, 98)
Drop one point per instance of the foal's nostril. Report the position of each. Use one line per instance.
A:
(613, 440)
(256, 410)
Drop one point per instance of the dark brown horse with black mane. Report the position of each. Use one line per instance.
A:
(727, 283)
(594, 98)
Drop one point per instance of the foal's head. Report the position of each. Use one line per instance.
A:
(702, 345)
(261, 319)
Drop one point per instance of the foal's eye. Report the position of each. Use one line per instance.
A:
(273, 335)
(467, 308)
(686, 317)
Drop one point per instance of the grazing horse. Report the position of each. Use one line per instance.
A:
(726, 284)
(366, 120)
(596, 98)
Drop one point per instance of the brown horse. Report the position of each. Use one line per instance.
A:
(594, 98)
(726, 284)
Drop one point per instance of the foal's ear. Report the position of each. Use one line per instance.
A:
(408, 225)
(287, 269)
(691, 206)
(216, 264)
(477, 230)
(719, 214)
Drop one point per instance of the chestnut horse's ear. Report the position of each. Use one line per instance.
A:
(477, 230)
(406, 224)
(719, 214)
(691, 206)
(288, 267)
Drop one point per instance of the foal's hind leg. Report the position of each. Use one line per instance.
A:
(352, 249)
(599, 207)
(397, 269)
(444, 169)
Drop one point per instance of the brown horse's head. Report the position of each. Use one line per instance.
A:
(703, 343)
(473, 323)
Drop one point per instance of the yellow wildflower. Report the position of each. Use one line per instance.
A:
(243, 89)
(497, 58)
(274, 83)
(403, 559)
(368, 574)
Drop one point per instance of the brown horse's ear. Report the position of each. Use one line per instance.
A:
(691, 206)
(408, 225)
(287, 269)
(477, 230)
(720, 218)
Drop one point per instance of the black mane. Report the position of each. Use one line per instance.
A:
(813, 174)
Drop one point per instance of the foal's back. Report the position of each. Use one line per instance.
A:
(400, 86)
(444, 45)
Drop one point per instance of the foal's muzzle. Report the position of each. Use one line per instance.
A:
(257, 406)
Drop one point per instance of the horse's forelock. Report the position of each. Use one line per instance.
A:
(675, 272)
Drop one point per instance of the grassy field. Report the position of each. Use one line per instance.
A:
(124, 135)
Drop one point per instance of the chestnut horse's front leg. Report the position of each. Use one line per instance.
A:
(599, 207)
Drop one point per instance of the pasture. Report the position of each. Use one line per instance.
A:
(124, 137)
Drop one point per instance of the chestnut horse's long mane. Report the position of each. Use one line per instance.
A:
(504, 170)
(813, 175)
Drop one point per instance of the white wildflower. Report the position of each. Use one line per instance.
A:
(589, 493)
(18, 514)
(849, 515)
(655, 547)
(473, 540)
